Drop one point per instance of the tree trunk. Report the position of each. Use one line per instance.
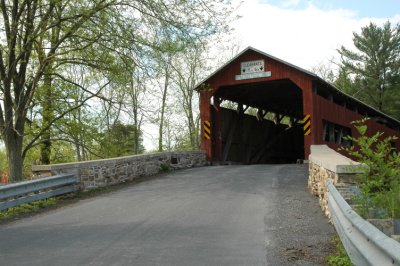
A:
(192, 130)
(47, 113)
(13, 145)
(197, 132)
(47, 100)
(78, 140)
(136, 133)
(163, 103)
(135, 116)
(78, 149)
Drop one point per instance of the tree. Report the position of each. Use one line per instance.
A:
(163, 67)
(80, 127)
(189, 69)
(62, 28)
(380, 175)
(324, 71)
(375, 66)
(119, 141)
(25, 22)
(344, 82)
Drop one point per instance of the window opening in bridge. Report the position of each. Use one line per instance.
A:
(337, 134)
(174, 160)
(229, 105)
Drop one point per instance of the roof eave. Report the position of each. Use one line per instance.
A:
(197, 86)
(358, 101)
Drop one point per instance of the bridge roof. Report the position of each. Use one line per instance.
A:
(324, 87)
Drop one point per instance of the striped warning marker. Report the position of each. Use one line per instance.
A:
(207, 129)
(307, 125)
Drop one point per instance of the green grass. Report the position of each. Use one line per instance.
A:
(339, 257)
(32, 208)
(36, 207)
(27, 208)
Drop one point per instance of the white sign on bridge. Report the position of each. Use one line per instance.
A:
(252, 69)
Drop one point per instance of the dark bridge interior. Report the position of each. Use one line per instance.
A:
(272, 133)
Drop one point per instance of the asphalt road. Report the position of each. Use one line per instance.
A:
(220, 215)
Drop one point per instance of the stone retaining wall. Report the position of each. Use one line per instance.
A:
(324, 164)
(99, 173)
(317, 184)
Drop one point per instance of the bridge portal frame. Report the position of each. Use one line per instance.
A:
(329, 108)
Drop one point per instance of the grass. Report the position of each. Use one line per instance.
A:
(33, 208)
(40, 206)
(28, 208)
(339, 257)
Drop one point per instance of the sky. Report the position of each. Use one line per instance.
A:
(307, 33)
(361, 8)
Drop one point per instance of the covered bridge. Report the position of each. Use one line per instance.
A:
(260, 109)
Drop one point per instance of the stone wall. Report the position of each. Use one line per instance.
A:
(317, 184)
(324, 164)
(99, 173)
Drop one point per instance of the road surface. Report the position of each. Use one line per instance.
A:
(219, 215)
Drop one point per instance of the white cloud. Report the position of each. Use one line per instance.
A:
(302, 37)
(289, 3)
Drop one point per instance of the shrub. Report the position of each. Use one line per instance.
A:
(380, 177)
(164, 167)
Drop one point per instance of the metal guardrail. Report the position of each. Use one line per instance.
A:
(28, 191)
(364, 243)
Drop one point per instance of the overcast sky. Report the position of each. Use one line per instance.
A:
(307, 33)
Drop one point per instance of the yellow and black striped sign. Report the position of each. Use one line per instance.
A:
(307, 125)
(207, 129)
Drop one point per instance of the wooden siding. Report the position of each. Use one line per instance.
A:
(332, 112)
(318, 107)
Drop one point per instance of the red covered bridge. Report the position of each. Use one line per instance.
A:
(252, 111)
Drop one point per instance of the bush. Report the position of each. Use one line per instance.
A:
(380, 177)
(164, 167)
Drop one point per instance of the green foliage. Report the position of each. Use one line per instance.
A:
(119, 141)
(340, 257)
(344, 81)
(32, 158)
(3, 161)
(164, 167)
(27, 208)
(372, 72)
(380, 177)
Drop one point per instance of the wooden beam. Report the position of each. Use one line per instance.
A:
(217, 129)
(268, 144)
(231, 133)
(241, 111)
(240, 108)
(278, 118)
(261, 114)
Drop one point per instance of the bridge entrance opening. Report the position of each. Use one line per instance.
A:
(252, 110)
(259, 122)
